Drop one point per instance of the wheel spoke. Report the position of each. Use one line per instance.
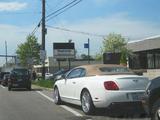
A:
(55, 95)
(86, 102)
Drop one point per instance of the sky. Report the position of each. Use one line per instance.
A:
(133, 19)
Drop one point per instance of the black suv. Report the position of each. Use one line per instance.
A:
(19, 78)
(151, 100)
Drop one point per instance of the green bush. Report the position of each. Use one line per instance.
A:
(44, 83)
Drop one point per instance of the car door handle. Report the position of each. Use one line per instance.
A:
(74, 82)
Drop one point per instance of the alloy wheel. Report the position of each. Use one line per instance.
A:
(86, 102)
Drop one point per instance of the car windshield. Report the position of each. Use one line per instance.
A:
(114, 69)
(20, 71)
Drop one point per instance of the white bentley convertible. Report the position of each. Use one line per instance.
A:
(100, 86)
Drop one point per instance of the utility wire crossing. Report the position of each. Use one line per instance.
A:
(74, 31)
(56, 13)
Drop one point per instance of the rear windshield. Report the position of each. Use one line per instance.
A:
(20, 71)
(115, 70)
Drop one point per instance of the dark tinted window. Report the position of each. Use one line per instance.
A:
(155, 83)
(83, 73)
(20, 72)
(76, 73)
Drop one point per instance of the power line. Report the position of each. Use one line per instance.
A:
(74, 31)
(61, 8)
(55, 6)
(65, 8)
(36, 28)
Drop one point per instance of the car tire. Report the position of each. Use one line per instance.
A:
(9, 87)
(56, 96)
(155, 112)
(87, 103)
(29, 88)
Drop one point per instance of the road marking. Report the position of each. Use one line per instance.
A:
(3, 86)
(45, 96)
(63, 106)
(71, 110)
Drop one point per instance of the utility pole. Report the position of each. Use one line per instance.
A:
(43, 34)
(6, 50)
(69, 60)
(88, 51)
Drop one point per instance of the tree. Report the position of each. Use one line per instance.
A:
(28, 52)
(85, 57)
(115, 43)
(98, 57)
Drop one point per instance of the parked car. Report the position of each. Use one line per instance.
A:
(151, 100)
(19, 78)
(101, 86)
(2, 75)
(5, 79)
(48, 76)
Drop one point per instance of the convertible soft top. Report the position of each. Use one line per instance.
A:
(105, 69)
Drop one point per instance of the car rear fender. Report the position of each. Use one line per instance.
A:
(94, 87)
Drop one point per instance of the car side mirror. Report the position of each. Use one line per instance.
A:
(59, 77)
(63, 76)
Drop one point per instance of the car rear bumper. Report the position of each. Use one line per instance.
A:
(109, 98)
(127, 107)
(19, 84)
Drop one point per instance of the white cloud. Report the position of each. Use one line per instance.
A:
(12, 6)
(14, 35)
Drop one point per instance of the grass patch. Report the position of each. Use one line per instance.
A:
(44, 83)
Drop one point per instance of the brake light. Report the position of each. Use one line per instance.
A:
(110, 85)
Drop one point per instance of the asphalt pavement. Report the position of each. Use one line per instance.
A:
(37, 104)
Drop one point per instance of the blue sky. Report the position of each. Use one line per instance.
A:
(30, 13)
(134, 19)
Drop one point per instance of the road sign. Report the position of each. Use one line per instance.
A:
(42, 55)
(86, 45)
(63, 50)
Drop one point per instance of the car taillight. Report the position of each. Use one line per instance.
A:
(110, 85)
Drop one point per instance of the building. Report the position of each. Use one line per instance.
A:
(52, 65)
(146, 55)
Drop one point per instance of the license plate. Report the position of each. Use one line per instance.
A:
(15, 85)
(137, 96)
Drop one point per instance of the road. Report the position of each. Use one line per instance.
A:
(38, 105)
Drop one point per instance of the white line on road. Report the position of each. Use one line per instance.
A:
(63, 106)
(71, 110)
(2, 86)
